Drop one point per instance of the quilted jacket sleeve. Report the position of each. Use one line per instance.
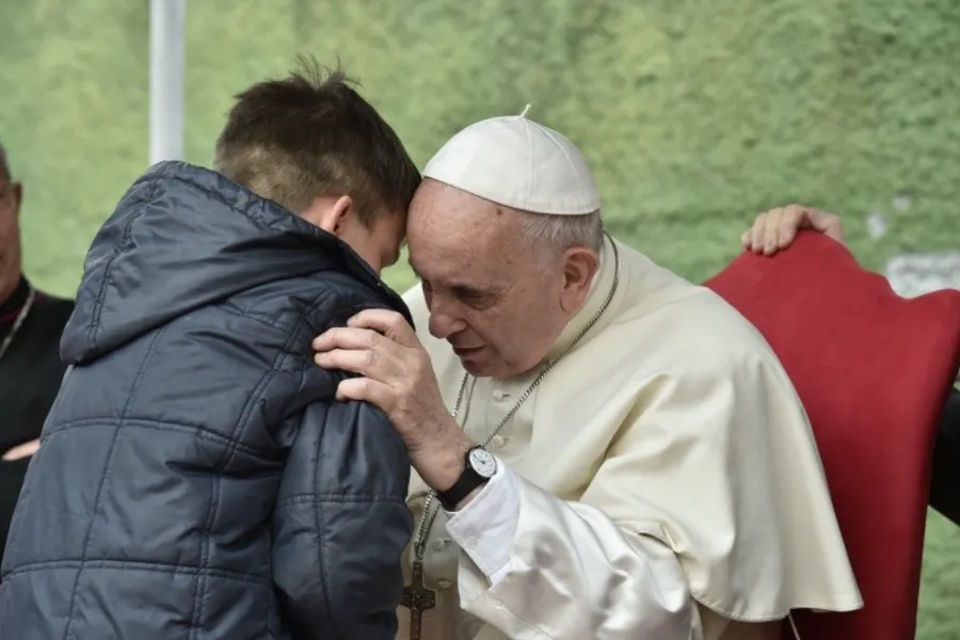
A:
(341, 524)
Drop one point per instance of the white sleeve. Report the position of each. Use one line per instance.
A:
(485, 527)
(539, 567)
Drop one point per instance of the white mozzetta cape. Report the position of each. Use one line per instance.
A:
(669, 439)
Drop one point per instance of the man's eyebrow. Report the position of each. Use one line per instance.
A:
(466, 291)
(471, 291)
(460, 287)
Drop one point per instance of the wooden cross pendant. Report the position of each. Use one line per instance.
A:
(417, 599)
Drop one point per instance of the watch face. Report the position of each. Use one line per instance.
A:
(483, 462)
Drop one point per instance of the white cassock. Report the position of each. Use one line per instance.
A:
(662, 482)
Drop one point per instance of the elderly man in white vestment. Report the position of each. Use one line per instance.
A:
(646, 470)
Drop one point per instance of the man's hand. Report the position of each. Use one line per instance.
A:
(396, 375)
(776, 229)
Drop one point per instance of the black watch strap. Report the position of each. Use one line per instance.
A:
(470, 479)
(467, 482)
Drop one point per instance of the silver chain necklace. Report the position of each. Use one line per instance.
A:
(429, 511)
(21, 317)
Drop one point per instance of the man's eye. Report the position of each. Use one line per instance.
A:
(476, 299)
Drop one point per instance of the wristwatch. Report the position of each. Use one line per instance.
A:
(479, 467)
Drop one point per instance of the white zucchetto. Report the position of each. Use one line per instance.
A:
(516, 162)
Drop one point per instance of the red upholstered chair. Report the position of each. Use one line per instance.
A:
(873, 371)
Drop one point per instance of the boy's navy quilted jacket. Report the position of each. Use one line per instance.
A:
(196, 477)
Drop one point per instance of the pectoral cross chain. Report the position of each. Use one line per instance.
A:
(417, 598)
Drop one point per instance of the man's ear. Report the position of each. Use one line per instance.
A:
(580, 264)
(330, 213)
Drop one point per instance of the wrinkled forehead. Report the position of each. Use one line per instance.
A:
(436, 203)
(450, 229)
(440, 213)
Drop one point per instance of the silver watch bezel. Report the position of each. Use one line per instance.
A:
(486, 466)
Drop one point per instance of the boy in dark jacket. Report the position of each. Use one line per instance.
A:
(197, 478)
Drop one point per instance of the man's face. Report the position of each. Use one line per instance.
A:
(10, 196)
(490, 294)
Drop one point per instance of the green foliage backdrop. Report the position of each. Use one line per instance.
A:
(695, 114)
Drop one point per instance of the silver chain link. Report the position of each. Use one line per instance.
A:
(429, 513)
(21, 317)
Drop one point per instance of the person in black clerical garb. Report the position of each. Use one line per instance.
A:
(30, 369)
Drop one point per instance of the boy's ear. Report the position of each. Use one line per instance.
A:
(330, 213)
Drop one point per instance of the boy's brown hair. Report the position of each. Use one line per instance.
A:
(309, 135)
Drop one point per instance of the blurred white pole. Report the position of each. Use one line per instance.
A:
(167, 21)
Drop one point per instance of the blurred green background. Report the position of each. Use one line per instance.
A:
(695, 115)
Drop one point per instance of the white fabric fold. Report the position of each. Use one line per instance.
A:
(595, 580)
(485, 527)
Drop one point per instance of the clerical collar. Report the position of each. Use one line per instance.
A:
(11, 306)
(599, 290)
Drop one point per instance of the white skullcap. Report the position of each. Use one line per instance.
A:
(518, 163)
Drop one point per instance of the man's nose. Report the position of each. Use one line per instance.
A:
(443, 324)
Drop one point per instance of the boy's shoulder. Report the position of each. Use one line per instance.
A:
(321, 300)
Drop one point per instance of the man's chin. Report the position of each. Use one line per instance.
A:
(485, 368)
(477, 365)
(483, 363)
(473, 366)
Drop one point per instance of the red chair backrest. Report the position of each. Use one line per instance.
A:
(873, 370)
